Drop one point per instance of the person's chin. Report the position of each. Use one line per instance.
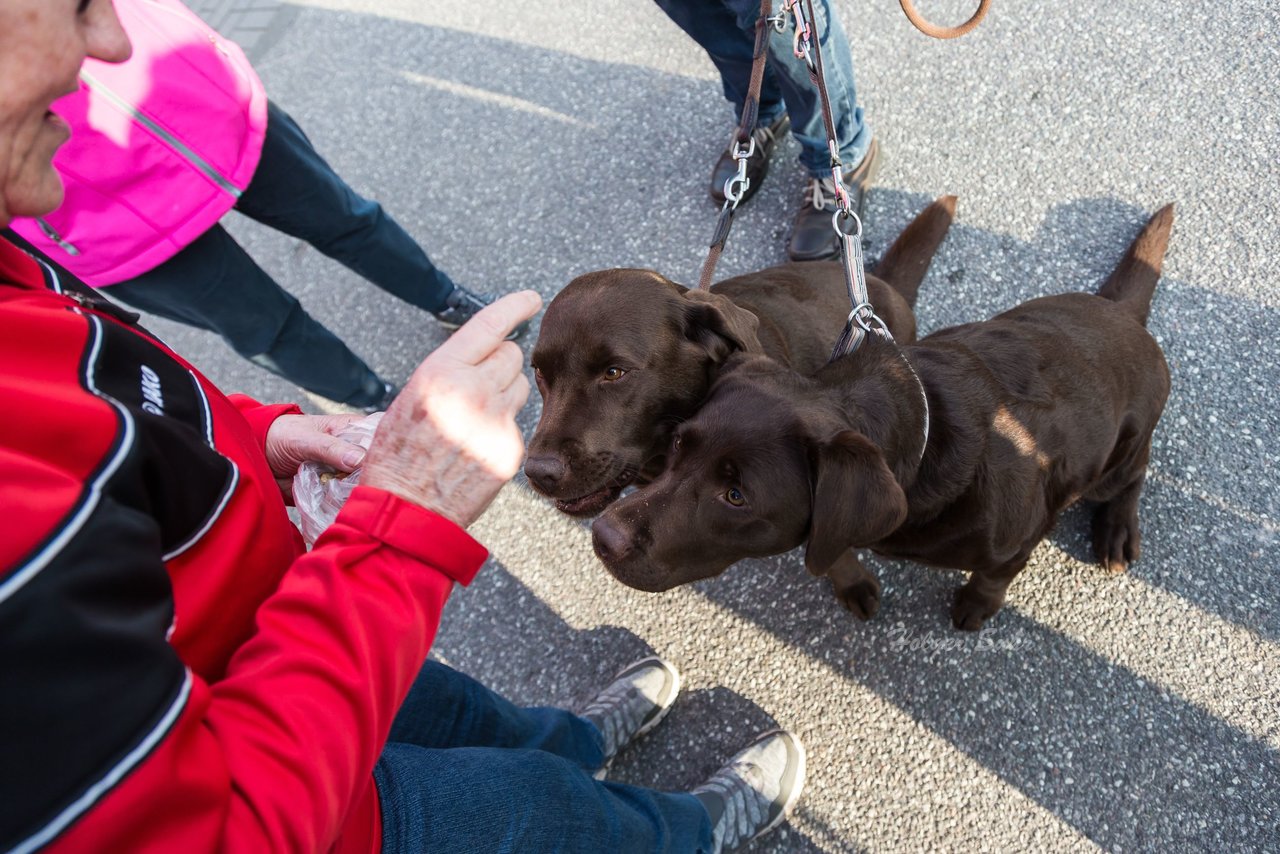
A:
(41, 191)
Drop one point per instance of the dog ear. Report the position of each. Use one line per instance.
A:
(856, 499)
(720, 326)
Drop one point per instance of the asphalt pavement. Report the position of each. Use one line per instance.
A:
(526, 143)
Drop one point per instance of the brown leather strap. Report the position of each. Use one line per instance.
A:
(742, 137)
(944, 32)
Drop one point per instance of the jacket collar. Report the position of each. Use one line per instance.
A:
(18, 269)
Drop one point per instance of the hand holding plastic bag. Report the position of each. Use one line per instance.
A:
(319, 490)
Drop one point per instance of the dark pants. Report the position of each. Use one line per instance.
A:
(213, 284)
(726, 31)
(465, 770)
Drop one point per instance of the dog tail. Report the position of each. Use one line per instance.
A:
(904, 265)
(1133, 282)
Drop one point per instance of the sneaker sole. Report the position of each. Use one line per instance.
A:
(515, 333)
(796, 790)
(675, 692)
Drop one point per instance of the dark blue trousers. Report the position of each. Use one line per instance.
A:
(213, 284)
(465, 770)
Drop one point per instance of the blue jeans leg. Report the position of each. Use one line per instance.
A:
(727, 28)
(718, 30)
(466, 770)
(213, 284)
(295, 191)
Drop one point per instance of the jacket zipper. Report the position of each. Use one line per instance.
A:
(57, 238)
(174, 144)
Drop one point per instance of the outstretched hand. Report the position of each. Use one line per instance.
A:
(449, 441)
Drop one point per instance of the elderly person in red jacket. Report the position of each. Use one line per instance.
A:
(177, 673)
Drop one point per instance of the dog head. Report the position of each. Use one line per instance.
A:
(768, 463)
(623, 356)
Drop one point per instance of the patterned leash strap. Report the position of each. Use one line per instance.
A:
(862, 319)
(743, 145)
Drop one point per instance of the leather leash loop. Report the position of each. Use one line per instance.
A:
(929, 29)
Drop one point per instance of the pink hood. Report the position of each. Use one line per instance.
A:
(161, 147)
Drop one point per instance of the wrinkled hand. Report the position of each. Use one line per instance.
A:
(294, 439)
(449, 441)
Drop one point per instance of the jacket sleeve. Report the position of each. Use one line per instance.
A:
(336, 651)
(261, 415)
(268, 758)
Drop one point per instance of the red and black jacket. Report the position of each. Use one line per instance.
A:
(176, 671)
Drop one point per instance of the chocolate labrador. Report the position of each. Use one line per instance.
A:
(958, 451)
(625, 355)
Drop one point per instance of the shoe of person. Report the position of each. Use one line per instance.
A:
(812, 236)
(461, 305)
(389, 392)
(635, 702)
(755, 791)
(757, 164)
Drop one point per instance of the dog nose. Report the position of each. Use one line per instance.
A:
(545, 472)
(611, 544)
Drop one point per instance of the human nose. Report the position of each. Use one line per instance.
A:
(105, 38)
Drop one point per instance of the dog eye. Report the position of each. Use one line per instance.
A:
(614, 373)
(735, 497)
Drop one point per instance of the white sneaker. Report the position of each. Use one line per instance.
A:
(635, 702)
(755, 791)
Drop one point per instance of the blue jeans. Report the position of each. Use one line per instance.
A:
(213, 284)
(465, 770)
(726, 31)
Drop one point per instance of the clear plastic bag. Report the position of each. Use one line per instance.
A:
(319, 492)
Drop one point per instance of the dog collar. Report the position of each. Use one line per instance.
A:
(924, 400)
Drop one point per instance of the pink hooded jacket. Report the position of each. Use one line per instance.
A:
(162, 146)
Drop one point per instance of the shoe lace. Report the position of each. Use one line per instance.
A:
(744, 806)
(821, 192)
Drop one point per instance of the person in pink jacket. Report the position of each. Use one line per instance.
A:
(162, 146)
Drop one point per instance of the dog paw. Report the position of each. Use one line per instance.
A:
(1116, 542)
(971, 610)
(862, 598)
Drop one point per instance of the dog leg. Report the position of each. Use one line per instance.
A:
(982, 595)
(855, 586)
(1116, 541)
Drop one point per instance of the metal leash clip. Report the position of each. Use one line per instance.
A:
(800, 45)
(736, 187)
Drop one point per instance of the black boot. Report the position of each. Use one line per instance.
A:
(757, 164)
(812, 236)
